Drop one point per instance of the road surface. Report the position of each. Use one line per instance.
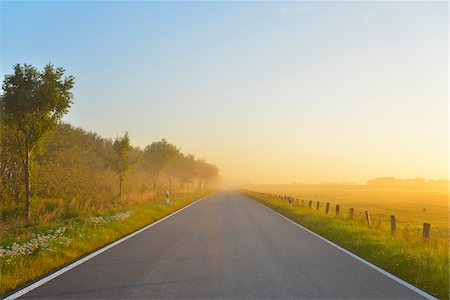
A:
(225, 246)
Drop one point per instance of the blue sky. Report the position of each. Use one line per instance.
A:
(269, 91)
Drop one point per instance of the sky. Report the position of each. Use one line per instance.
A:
(271, 92)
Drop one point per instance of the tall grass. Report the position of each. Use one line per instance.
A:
(63, 231)
(423, 264)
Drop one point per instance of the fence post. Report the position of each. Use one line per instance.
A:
(303, 202)
(368, 219)
(351, 212)
(310, 204)
(338, 208)
(327, 208)
(393, 225)
(318, 204)
(426, 231)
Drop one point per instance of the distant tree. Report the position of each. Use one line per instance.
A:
(184, 169)
(172, 168)
(31, 105)
(205, 173)
(157, 157)
(122, 161)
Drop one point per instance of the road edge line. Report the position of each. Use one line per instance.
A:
(359, 258)
(38, 283)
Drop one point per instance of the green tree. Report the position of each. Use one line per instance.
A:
(10, 167)
(122, 162)
(157, 157)
(32, 104)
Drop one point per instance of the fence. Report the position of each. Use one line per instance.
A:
(426, 228)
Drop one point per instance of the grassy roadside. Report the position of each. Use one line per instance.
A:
(28, 252)
(425, 265)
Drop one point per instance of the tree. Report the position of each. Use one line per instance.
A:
(122, 161)
(10, 166)
(32, 104)
(205, 173)
(157, 157)
(172, 168)
(184, 169)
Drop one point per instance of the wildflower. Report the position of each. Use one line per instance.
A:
(39, 241)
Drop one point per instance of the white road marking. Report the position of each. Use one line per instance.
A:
(76, 263)
(393, 277)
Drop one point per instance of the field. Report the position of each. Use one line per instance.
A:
(412, 206)
(63, 231)
(405, 254)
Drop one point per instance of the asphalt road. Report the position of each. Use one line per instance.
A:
(225, 246)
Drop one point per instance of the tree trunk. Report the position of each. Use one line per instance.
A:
(170, 184)
(120, 187)
(154, 185)
(27, 184)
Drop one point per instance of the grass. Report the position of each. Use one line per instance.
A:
(64, 231)
(412, 206)
(423, 264)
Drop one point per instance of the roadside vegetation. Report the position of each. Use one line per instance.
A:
(425, 264)
(412, 201)
(27, 252)
(65, 191)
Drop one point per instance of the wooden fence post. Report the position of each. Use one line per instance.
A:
(338, 208)
(310, 204)
(426, 231)
(351, 212)
(393, 225)
(303, 202)
(327, 208)
(368, 219)
(318, 204)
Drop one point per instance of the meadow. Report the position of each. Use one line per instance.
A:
(62, 231)
(424, 264)
(411, 205)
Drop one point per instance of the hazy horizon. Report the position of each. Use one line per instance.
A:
(426, 182)
(273, 92)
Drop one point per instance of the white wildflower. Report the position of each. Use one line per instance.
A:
(39, 241)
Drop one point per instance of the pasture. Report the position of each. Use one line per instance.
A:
(412, 206)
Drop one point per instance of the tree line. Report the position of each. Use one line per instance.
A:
(40, 156)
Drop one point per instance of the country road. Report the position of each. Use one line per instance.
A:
(224, 246)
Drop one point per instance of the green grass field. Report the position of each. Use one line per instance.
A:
(61, 233)
(423, 264)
